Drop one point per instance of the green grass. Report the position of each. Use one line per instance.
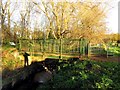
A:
(98, 51)
(64, 57)
(57, 57)
(115, 50)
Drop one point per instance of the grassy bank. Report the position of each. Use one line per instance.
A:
(86, 74)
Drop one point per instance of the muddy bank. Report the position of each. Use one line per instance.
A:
(34, 72)
(38, 73)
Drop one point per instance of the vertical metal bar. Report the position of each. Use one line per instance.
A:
(83, 46)
(79, 47)
(88, 48)
(60, 49)
(53, 46)
(19, 44)
(40, 45)
(43, 47)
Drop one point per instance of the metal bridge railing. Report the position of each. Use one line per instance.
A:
(55, 46)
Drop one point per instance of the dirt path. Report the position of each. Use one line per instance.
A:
(110, 58)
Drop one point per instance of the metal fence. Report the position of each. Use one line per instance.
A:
(97, 50)
(55, 46)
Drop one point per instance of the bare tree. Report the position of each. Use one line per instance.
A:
(6, 14)
(25, 20)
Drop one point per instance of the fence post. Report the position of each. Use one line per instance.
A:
(53, 42)
(20, 44)
(43, 47)
(88, 49)
(82, 47)
(40, 45)
(60, 47)
(79, 47)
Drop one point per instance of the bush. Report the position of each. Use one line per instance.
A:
(101, 75)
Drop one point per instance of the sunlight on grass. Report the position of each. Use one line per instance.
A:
(115, 50)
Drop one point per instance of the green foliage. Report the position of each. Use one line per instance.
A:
(105, 82)
(77, 75)
(97, 50)
(9, 62)
(115, 50)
